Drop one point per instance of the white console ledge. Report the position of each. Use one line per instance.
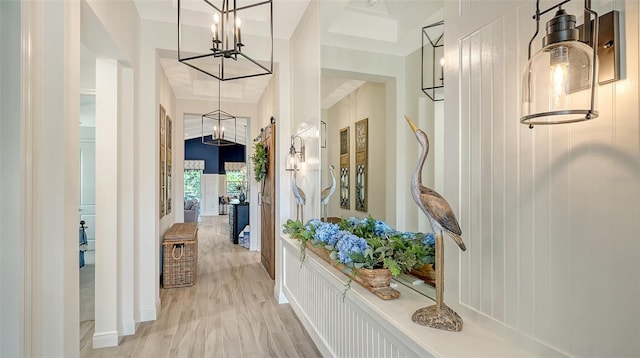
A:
(364, 325)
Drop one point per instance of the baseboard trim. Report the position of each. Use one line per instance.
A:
(150, 314)
(128, 328)
(105, 339)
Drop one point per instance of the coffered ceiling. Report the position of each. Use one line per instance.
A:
(378, 26)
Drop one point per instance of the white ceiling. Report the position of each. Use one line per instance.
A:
(378, 26)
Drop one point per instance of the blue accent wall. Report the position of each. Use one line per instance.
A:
(214, 157)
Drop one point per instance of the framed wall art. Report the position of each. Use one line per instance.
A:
(323, 134)
(163, 159)
(169, 164)
(344, 168)
(362, 134)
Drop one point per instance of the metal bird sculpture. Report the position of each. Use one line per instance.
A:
(327, 192)
(301, 198)
(442, 219)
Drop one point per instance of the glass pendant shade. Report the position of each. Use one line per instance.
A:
(295, 157)
(557, 84)
(291, 163)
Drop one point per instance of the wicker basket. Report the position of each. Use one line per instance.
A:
(180, 255)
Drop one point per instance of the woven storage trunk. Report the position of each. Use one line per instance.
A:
(180, 255)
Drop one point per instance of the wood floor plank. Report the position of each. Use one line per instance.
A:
(230, 312)
(264, 340)
(285, 347)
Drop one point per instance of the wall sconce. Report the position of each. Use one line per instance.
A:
(433, 44)
(295, 156)
(559, 81)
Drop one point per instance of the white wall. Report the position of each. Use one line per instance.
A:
(302, 99)
(13, 253)
(305, 107)
(109, 32)
(266, 108)
(167, 100)
(549, 215)
(45, 159)
(368, 102)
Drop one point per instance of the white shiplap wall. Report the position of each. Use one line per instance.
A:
(551, 215)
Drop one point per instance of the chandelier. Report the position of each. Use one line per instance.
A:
(432, 61)
(218, 127)
(238, 56)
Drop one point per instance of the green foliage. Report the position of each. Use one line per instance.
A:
(192, 184)
(395, 250)
(297, 230)
(259, 159)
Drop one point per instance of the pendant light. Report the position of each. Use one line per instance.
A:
(560, 80)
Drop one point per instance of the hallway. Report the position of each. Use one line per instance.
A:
(229, 312)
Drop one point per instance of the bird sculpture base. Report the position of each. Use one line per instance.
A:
(447, 319)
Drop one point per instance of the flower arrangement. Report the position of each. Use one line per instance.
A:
(259, 159)
(365, 243)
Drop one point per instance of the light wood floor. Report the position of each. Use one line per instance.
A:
(229, 312)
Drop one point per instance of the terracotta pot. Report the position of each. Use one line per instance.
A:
(426, 273)
(377, 281)
(374, 278)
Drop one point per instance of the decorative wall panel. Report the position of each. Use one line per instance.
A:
(362, 167)
(345, 328)
(550, 214)
(344, 168)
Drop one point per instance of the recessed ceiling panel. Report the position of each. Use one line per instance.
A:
(355, 24)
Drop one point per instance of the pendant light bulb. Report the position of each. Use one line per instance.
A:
(559, 62)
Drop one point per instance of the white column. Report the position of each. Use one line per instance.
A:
(50, 113)
(13, 253)
(126, 307)
(146, 162)
(106, 268)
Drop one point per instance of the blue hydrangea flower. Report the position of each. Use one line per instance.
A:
(313, 224)
(429, 239)
(326, 233)
(382, 228)
(349, 245)
(353, 221)
(409, 235)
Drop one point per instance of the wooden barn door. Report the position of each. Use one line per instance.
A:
(268, 208)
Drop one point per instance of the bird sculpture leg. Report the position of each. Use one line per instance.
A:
(300, 213)
(326, 212)
(439, 316)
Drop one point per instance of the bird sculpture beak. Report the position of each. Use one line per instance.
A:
(460, 243)
(414, 128)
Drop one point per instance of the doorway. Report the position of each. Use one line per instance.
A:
(87, 206)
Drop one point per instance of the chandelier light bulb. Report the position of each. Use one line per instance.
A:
(238, 35)
(216, 18)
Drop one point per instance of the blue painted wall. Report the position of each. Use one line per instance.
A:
(214, 157)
